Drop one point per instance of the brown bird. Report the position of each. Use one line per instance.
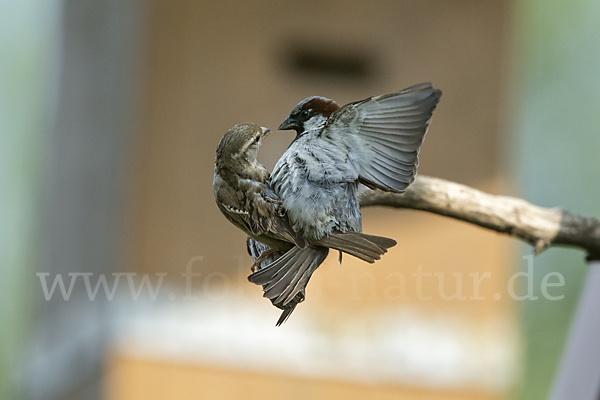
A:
(244, 196)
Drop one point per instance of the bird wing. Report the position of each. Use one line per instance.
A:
(368, 248)
(257, 211)
(383, 134)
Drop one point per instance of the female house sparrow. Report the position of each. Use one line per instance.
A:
(243, 194)
(374, 141)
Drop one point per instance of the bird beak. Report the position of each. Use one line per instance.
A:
(265, 131)
(287, 124)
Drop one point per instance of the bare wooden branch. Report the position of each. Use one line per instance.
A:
(538, 226)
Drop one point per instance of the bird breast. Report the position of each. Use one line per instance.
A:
(317, 184)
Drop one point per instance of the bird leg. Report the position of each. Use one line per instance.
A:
(280, 210)
(261, 258)
(273, 201)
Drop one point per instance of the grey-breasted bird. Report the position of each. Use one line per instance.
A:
(243, 194)
(374, 141)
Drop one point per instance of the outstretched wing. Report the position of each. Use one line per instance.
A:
(383, 134)
(257, 211)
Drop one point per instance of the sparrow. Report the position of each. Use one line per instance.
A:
(374, 141)
(241, 191)
(244, 196)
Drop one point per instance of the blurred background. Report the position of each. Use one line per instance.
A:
(120, 280)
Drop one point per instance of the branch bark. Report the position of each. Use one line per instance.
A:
(538, 226)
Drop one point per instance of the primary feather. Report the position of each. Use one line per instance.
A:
(384, 134)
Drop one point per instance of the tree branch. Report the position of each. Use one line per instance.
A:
(538, 226)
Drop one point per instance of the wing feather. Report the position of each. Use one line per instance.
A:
(257, 213)
(289, 274)
(384, 134)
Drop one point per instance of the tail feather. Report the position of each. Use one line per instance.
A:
(368, 248)
(268, 273)
(380, 241)
(285, 315)
(298, 284)
(284, 280)
(280, 287)
(289, 274)
(356, 245)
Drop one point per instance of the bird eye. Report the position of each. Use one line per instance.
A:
(305, 113)
(257, 139)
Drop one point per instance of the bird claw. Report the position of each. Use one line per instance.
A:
(273, 201)
(256, 265)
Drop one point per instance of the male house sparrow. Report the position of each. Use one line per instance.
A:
(243, 194)
(374, 141)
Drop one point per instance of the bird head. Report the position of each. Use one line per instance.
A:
(239, 146)
(309, 114)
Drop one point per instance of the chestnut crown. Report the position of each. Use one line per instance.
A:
(306, 110)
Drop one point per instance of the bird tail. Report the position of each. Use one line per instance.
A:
(288, 276)
(288, 308)
(368, 248)
(286, 314)
(284, 280)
